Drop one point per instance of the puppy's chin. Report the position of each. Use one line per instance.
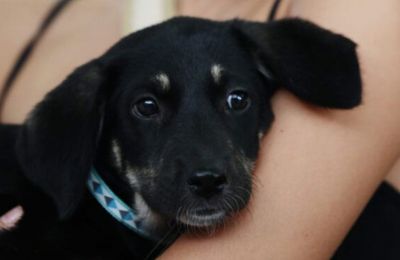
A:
(202, 218)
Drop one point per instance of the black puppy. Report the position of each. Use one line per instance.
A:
(162, 130)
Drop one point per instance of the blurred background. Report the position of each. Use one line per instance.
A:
(84, 30)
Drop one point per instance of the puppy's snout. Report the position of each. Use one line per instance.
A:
(207, 184)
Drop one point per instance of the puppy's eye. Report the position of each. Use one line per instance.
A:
(237, 100)
(146, 107)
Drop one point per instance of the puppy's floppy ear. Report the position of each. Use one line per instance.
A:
(315, 64)
(57, 143)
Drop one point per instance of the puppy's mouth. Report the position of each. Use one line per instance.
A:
(201, 218)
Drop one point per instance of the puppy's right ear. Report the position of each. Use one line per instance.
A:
(317, 65)
(57, 143)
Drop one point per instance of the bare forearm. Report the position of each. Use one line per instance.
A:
(317, 168)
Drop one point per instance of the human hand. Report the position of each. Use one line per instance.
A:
(11, 218)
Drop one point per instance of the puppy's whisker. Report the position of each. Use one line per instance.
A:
(232, 202)
(256, 181)
(247, 191)
(228, 204)
(236, 199)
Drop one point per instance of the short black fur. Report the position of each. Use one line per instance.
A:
(188, 70)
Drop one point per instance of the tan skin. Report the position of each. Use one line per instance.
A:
(318, 168)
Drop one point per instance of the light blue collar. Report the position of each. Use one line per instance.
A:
(115, 206)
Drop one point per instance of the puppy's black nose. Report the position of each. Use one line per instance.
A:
(206, 184)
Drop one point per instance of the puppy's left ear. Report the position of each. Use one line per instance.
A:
(57, 143)
(316, 65)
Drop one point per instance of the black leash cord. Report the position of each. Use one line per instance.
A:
(274, 9)
(26, 52)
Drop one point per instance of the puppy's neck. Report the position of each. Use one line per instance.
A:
(115, 180)
(145, 219)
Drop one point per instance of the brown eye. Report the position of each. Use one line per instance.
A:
(237, 100)
(146, 107)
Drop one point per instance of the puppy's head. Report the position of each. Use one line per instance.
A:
(180, 108)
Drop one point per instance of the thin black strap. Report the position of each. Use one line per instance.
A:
(274, 9)
(29, 47)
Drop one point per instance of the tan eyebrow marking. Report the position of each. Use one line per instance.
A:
(216, 72)
(117, 153)
(163, 79)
